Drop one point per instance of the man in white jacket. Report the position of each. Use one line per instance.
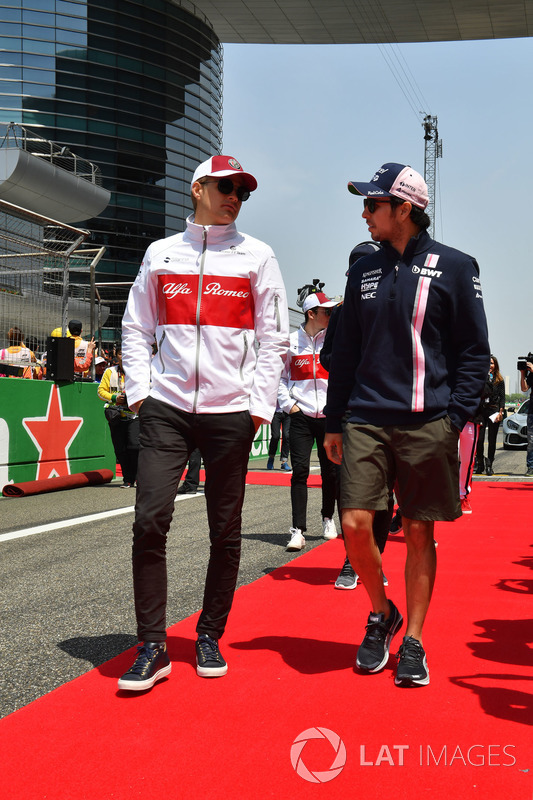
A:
(302, 394)
(214, 300)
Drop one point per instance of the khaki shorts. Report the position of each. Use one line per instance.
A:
(420, 462)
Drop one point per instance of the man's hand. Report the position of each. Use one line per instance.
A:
(333, 447)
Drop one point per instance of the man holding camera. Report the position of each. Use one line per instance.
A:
(526, 382)
(409, 362)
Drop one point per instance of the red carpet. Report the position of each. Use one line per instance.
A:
(290, 645)
(90, 478)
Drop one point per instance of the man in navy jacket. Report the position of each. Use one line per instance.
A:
(409, 361)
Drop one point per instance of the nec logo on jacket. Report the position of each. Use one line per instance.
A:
(226, 301)
(302, 368)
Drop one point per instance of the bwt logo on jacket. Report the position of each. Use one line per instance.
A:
(302, 368)
(226, 301)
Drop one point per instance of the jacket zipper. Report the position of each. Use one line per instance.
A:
(245, 353)
(160, 351)
(392, 294)
(198, 307)
(276, 313)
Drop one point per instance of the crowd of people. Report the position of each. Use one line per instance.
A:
(206, 358)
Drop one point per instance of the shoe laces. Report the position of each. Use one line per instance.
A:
(347, 570)
(411, 651)
(145, 657)
(209, 649)
(376, 631)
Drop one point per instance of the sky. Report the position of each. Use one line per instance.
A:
(306, 119)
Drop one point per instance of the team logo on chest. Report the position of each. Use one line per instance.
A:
(225, 301)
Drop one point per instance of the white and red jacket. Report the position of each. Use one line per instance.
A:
(304, 381)
(215, 301)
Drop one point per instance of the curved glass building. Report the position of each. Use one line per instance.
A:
(134, 86)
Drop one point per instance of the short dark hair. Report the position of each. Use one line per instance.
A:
(75, 327)
(417, 215)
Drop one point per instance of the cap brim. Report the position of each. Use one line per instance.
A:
(367, 190)
(329, 304)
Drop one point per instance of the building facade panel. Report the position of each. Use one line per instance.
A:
(134, 86)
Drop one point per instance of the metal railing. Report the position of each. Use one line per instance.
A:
(62, 157)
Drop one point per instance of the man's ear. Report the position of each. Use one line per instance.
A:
(406, 209)
(196, 189)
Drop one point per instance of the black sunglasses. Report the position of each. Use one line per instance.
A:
(371, 203)
(226, 186)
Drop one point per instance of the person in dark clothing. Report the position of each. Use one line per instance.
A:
(491, 412)
(348, 577)
(409, 360)
(192, 479)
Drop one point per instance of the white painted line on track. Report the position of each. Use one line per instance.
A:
(67, 523)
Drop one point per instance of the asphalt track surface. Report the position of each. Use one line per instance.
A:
(66, 594)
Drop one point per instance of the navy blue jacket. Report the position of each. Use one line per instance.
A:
(411, 345)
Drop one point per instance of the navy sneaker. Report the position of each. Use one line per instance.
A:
(373, 651)
(412, 665)
(209, 661)
(152, 664)
(285, 466)
(396, 525)
(270, 463)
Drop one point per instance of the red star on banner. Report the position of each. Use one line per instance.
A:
(52, 436)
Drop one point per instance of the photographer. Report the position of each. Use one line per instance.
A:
(491, 414)
(526, 382)
(123, 423)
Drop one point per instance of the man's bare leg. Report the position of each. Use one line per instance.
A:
(364, 555)
(420, 571)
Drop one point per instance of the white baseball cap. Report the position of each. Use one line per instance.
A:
(316, 300)
(223, 167)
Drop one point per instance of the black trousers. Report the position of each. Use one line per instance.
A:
(492, 430)
(125, 438)
(304, 432)
(168, 436)
(281, 421)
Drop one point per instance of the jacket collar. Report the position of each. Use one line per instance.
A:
(215, 233)
(420, 243)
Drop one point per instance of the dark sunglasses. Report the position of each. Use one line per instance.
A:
(226, 186)
(370, 203)
(326, 311)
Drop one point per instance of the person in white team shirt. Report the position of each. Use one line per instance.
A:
(215, 302)
(302, 394)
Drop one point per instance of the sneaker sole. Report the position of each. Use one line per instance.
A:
(406, 682)
(388, 640)
(330, 536)
(211, 672)
(141, 686)
(340, 586)
(410, 681)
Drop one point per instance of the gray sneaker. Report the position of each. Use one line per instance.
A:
(348, 577)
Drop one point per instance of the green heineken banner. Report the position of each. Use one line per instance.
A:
(260, 443)
(51, 430)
